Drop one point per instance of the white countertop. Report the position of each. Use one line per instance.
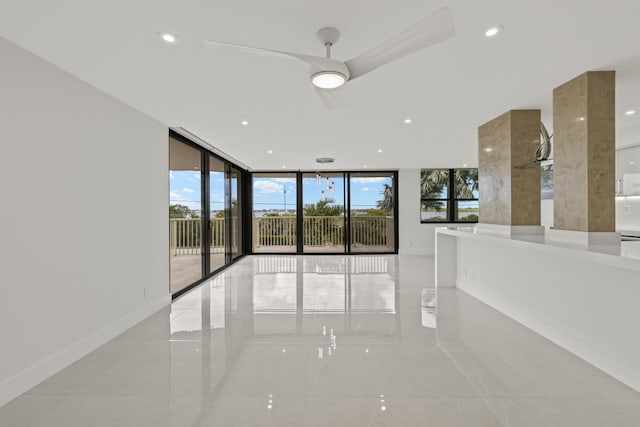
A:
(626, 256)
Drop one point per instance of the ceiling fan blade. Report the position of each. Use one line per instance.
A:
(431, 30)
(316, 61)
(332, 99)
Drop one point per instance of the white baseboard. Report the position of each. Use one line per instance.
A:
(24, 380)
(599, 358)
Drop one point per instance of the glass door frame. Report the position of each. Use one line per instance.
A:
(345, 222)
(300, 206)
(205, 216)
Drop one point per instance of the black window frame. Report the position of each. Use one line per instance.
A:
(451, 200)
(206, 269)
(393, 173)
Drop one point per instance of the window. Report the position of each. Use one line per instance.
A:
(274, 219)
(205, 212)
(324, 212)
(449, 195)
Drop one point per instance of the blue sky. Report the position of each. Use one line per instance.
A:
(184, 189)
(268, 193)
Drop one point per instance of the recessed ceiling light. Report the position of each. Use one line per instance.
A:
(493, 31)
(630, 112)
(284, 167)
(379, 150)
(408, 121)
(464, 165)
(244, 123)
(270, 151)
(169, 38)
(364, 166)
(632, 163)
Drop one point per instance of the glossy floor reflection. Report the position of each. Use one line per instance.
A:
(327, 341)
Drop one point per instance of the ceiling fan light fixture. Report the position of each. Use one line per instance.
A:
(328, 79)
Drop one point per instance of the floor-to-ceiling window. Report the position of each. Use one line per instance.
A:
(339, 212)
(217, 213)
(185, 214)
(236, 182)
(323, 226)
(205, 209)
(372, 212)
(274, 219)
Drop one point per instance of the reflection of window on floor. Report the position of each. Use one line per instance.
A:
(326, 286)
(190, 315)
(274, 292)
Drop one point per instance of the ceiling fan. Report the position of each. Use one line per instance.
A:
(328, 74)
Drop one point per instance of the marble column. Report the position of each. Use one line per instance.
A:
(584, 155)
(509, 192)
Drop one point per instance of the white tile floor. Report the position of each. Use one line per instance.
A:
(253, 347)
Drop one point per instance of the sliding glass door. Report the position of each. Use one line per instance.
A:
(236, 212)
(217, 214)
(185, 215)
(372, 212)
(274, 213)
(338, 212)
(323, 226)
(205, 213)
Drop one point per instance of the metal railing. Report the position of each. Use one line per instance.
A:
(185, 237)
(322, 231)
(319, 231)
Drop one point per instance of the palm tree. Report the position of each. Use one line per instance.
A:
(432, 183)
(465, 183)
(386, 204)
(323, 208)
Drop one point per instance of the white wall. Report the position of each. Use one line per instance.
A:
(546, 213)
(415, 238)
(627, 213)
(83, 215)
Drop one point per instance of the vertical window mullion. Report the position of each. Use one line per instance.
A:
(205, 247)
(452, 203)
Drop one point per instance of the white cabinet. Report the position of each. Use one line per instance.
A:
(628, 171)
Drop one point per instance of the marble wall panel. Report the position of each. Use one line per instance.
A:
(509, 193)
(525, 181)
(584, 153)
(494, 178)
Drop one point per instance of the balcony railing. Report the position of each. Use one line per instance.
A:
(186, 235)
(322, 231)
(273, 231)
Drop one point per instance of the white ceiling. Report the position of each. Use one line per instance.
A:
(448, 90)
